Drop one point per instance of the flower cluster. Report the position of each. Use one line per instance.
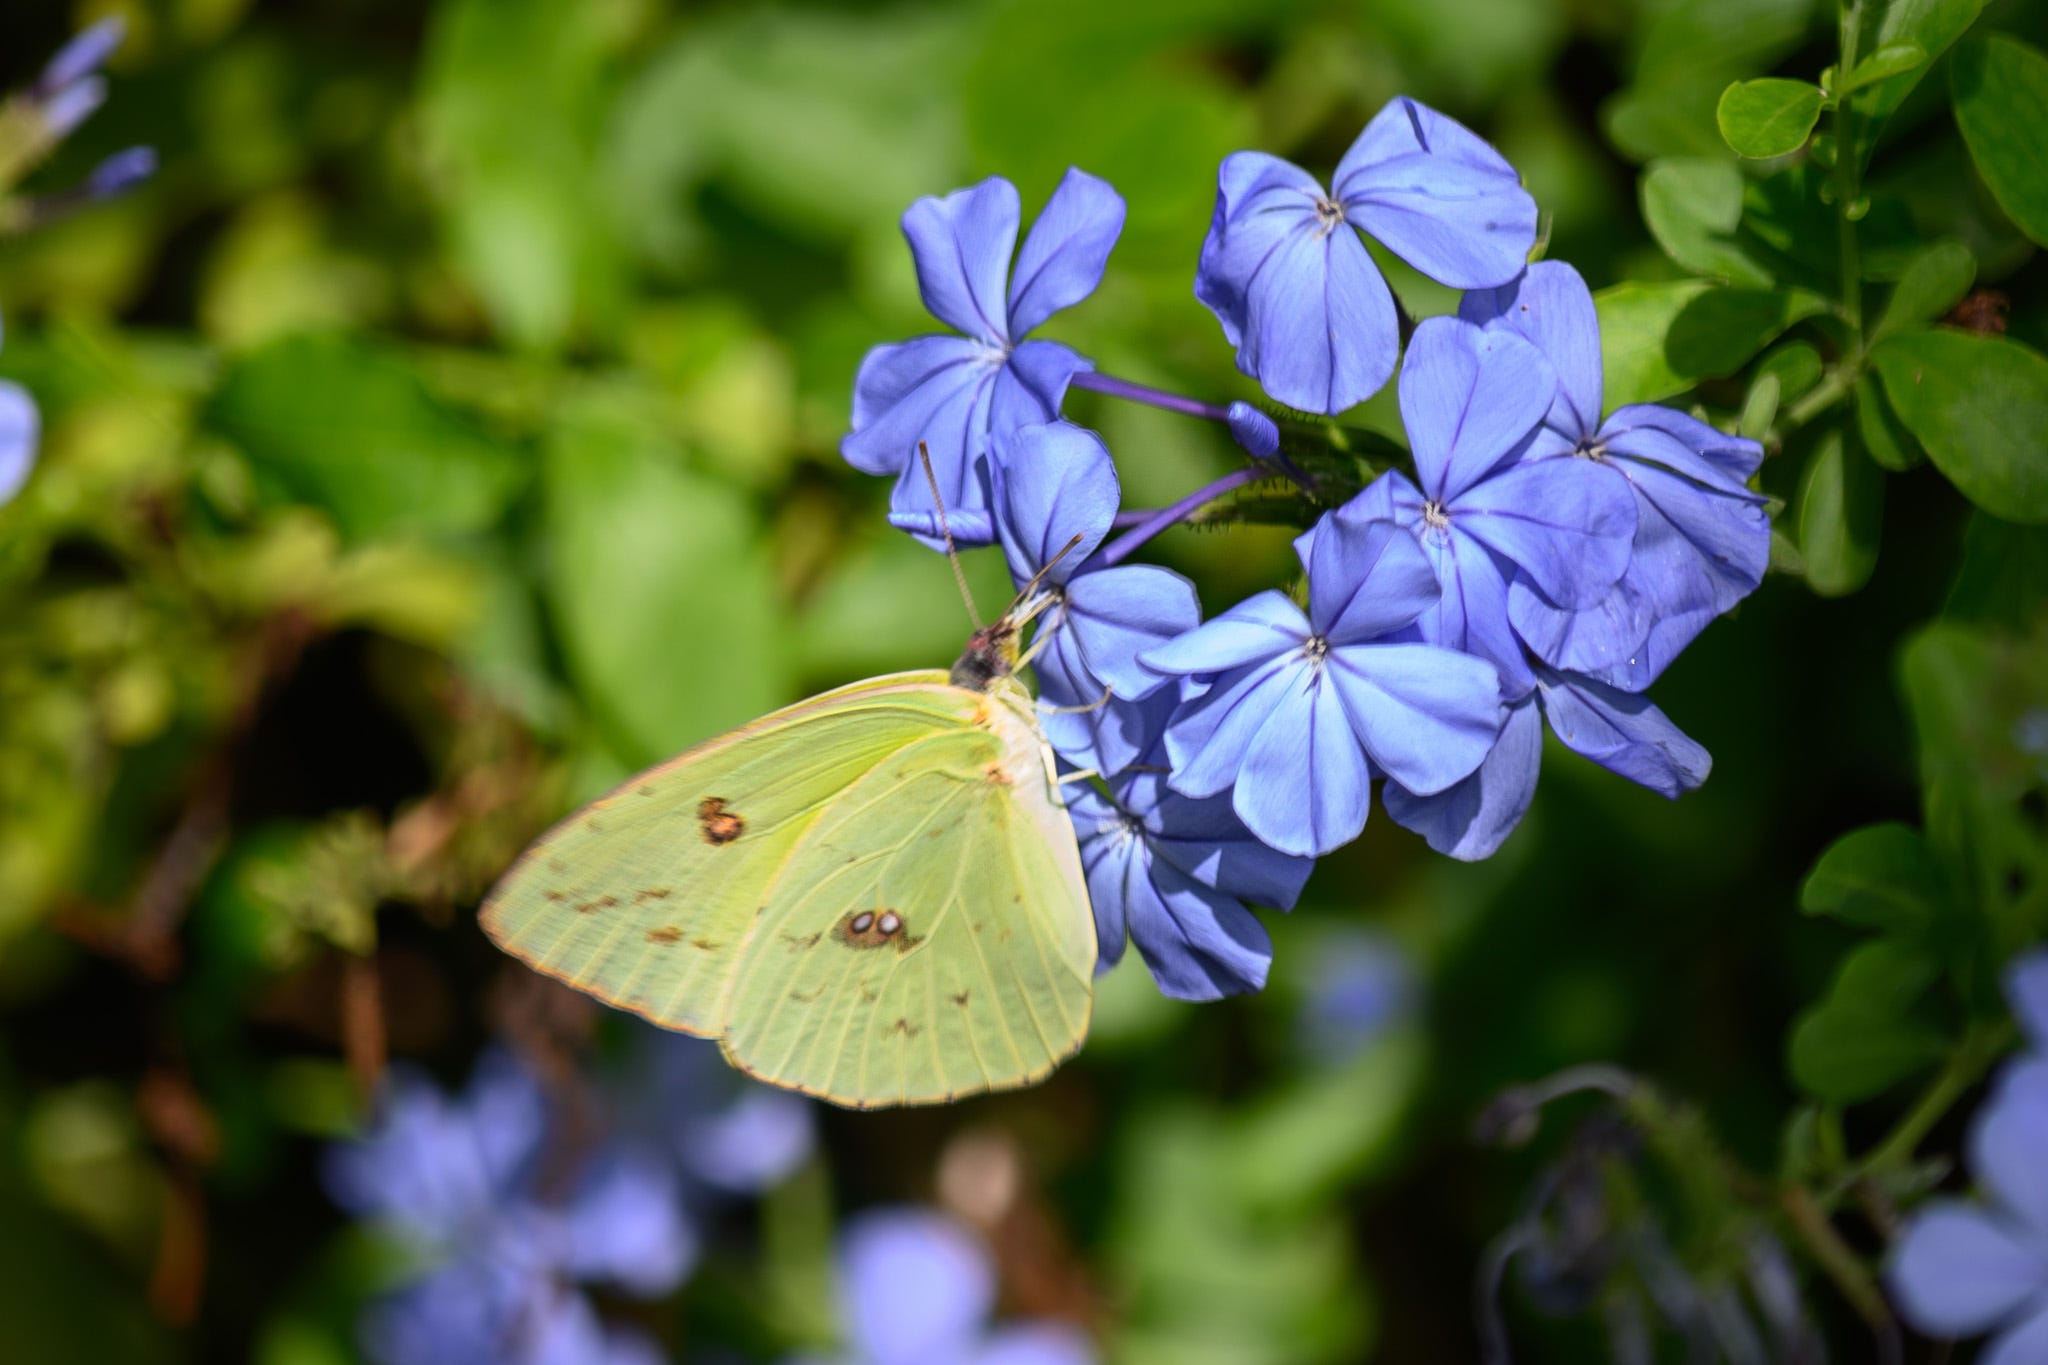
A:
(1966, 1269)
(32, 124)
(916, 1288)
(1540, 562)
(507, 1201)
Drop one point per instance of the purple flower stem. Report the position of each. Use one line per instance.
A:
(1139, 393)
(1155, 522)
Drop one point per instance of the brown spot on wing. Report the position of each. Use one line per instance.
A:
(668, 933)
(877, 928)
(720, 826)
(995, 774)
(802, 940)
(553, 896)
(591, 907)
(961, 999)
(705, 944)
(652, 893)
(904, 1027)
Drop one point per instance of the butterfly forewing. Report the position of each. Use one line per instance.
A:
(643, 897)
(930, 936)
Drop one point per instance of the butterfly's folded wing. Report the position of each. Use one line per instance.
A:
(643, 897)
(985, 983)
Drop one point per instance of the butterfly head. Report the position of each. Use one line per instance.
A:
(991, 653)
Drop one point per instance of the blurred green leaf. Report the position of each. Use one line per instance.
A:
(1930, 24)
(1934, 282)
(511, 99)
(658, 584)
(345, 424)
(1882, 877)
(1979, 404)
(2001, 97)
(1691, 51)
(1841, 516)
(1861, 1040)
(1693, 207)
(2004, 575)
(1889, 60)
(1885, 438)
(1769, 117)
(1660, 339)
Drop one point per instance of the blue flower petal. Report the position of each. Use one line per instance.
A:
(1473, 818)
(1066, 250)
(1032, 384)
(1298, 296)
(1198, 943)
(1959, 1271)
(1253, 430)
(1116, 614)
(2026, 990)
(1204, 838)
(1469, 399)
(1551, 308)
(1567, 525)
(1427, 716)
(2025, 1344)
(1304, 787)
(1685, 445)
(961, 245)
(1104, 737)
(20, 427)
(1110, 858)
(2009, 1147)
(935, 389)
(1036, 1343)
(1438, 196)
(1208, 735)
(626, 1227)
(1054, 481)
(914, 1286)
(1622, 732)
(1366, 577)
(1253, 631)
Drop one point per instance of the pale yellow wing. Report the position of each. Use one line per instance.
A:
(643, 897)
(930, 935)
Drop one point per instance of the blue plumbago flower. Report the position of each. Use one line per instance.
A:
(1293, 285)
(1486, 517)
(1359, 984)
(1055, 481)
(1300, 711)
(952, 392)
(1620, 731)
(458, 1182)
(1254, 430)
(1172, 873)
(78, 59)
(1702, 538)
(726, 1132)
(916, 1288)
(20, 426)
(1963, 1269)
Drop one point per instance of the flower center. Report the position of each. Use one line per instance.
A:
(1329, 213)
(1589, 448)
(1316, 649)
(1435, 517)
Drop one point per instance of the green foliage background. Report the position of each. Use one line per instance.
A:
(450, 428)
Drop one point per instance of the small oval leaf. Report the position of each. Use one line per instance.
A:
(2001, 94)
(1979, 405)
(1768, 117)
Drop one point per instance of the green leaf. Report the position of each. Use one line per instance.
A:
(659, 587)
(1934, 282)
(1934, 25)
(1690, 51)
(1841, 517)
(1881, 877)
(1979, 404)
(1760, 406)
(1768, 117)
(1659, 339)
(2001, 94)
(1861, 1041)
(1889, 60)
(1693, 207)
(346, 425)
(1885, 437)
(2003, 579)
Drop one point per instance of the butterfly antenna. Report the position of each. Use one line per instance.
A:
(952, 555)
(1024, 593)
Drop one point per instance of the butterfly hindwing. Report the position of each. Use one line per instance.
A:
(643, 897)
(931, 935)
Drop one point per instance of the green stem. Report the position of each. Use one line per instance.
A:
(1965, 1068)
(1832, 389)
(1847, 186)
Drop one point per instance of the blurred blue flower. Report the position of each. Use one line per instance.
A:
(1298, 712)
(1471, 400)
(1621, 731)
(1702, 538)
(727, 1133)
(952, 392)
(78, 59)
(1054, 482)
(1967, 1269)
(20, 425)
(916, 1288)
(1294, 287)
(501, 1236)
(1172, 873)
(1358, 985)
